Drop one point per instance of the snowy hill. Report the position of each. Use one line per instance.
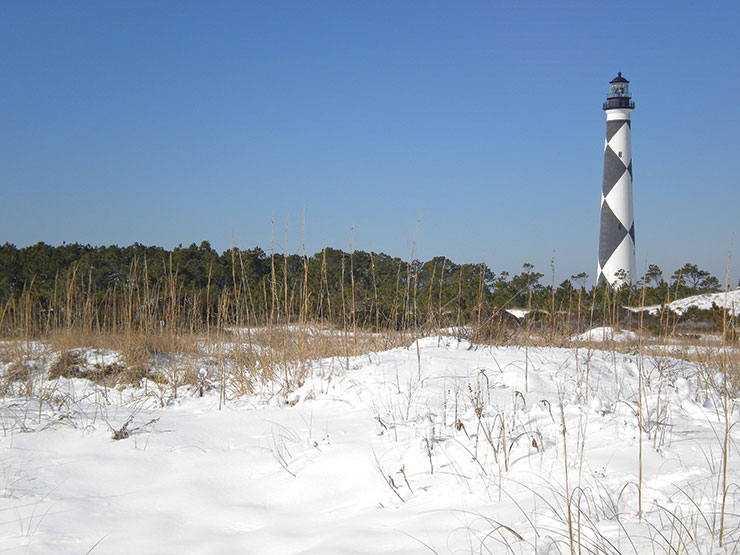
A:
(602, 334)
(451, 448)
(704, 302)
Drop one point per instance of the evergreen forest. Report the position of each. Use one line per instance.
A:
(45, 287)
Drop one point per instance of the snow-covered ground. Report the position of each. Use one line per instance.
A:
(448, 448)
(601, 334)
(518, 313)
(704, 302)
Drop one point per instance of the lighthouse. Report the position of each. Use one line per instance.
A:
(616, 264)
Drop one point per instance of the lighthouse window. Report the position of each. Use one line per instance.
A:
(620, 153)
(619, 89)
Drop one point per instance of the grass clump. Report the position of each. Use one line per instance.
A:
(15, 371)
(71, 364)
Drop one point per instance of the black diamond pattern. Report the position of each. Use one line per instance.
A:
(613, 126)
(613, 170)
(612, 234)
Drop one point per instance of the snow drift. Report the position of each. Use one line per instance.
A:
(442, 447)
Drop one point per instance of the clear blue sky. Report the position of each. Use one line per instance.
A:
(173, 122)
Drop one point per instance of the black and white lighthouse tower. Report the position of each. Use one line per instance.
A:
(617, 238)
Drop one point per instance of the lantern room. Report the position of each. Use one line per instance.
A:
(619, 94)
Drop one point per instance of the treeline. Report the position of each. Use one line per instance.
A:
(45, 287)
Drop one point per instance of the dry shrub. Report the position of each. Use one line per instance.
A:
(16, 371)
(141, 351)
(65, 340)
(246, 368)
(7, 353)
(498, 329)
(69, 364)
(285, 353)
(137, 364)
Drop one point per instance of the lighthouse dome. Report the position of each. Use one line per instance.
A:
(619, 94)
(619, 78)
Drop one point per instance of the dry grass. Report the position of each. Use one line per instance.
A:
(236, 341)
(277, 357)
(71, 364)
(15, 371)
(237, 361)
(243, 358)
